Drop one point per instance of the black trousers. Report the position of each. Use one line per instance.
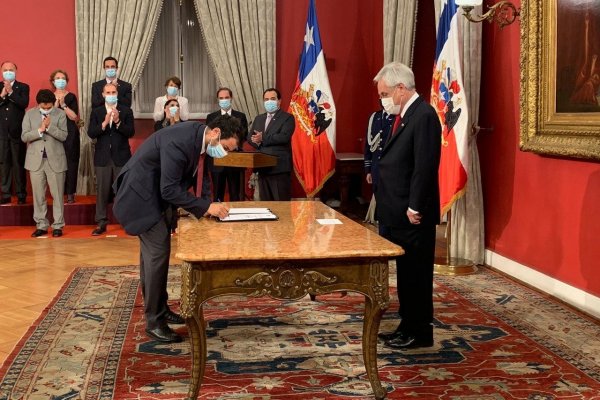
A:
(104, 180)
(72, 152)
(12, 165)
(155, 249)
(230, 177)
(415, 276)
(277, 187)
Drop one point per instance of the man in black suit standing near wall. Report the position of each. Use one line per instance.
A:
(151, 184)
(408, 203)
(271, 134)
(111, 124)
(230, 176)
(14, 99)
(111, 68)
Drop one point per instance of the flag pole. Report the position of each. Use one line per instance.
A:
(449, 265)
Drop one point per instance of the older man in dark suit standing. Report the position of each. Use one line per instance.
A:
(408, 203)
(156, 180)
(14, 99)
(271, 134)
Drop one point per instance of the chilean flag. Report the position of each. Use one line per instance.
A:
(313, 142)
(449, 99)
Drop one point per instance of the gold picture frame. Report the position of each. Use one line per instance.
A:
(560, 96)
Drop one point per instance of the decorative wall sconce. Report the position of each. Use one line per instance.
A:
(503, 12)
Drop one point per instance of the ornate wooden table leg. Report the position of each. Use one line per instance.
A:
(375, 305)
(373, 315)
(197, 331)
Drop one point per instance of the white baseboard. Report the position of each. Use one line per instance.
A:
(578, 298)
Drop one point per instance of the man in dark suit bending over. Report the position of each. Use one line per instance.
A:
(156, 180)
(271, 133)
(408, 203)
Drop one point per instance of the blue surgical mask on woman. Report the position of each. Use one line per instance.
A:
(111, 99)
(271, 106)
(225, 104)
(172, 90)
(110, 72)
(60, 83)
(173, 110)
(8, 75)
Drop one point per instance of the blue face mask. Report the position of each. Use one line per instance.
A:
(9, 75)
(173, 110)
(271, 106)
(217, 150)
(110, 72)
(60, 83)
(45, 112)
(172, 90)
(225, 104)
(111, 99)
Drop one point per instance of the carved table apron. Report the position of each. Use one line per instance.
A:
(364, 272)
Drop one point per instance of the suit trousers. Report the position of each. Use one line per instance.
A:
(41, 179)
(71, 176)
(12, 164)
(104, 180)
(230, 177)
(277, 187)
(155, 249)
(415, 276)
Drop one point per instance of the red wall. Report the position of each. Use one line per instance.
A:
(40, 42)
(539, 211)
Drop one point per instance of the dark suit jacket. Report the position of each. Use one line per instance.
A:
(242, 135)
(277, 140)
(159, 175)
(408, 169)
(111, 143)
(123, 93)
(12, 111)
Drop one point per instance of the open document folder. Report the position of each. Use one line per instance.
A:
(249, 214)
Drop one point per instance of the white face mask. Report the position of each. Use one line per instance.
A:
(389, 106)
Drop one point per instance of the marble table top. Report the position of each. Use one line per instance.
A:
(295, 235)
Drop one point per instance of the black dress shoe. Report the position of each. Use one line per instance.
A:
(56, 232)
(21, 200)
(402, 342)
(99, 230)
(173, 318)
(389, 336)
(164, 334)
(5, 200)
(38, 233)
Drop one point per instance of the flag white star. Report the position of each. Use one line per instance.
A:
(308, 37)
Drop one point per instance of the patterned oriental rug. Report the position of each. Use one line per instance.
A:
(495, 339)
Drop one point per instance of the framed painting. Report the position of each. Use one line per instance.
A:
(560, 78)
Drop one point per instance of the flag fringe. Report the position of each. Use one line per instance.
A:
(456, 196)
(318, 188)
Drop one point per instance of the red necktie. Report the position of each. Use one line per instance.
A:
(396, 123)
(200, 174)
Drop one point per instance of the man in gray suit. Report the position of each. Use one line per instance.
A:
(44, 130)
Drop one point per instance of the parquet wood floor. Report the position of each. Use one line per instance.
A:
(33, 270)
